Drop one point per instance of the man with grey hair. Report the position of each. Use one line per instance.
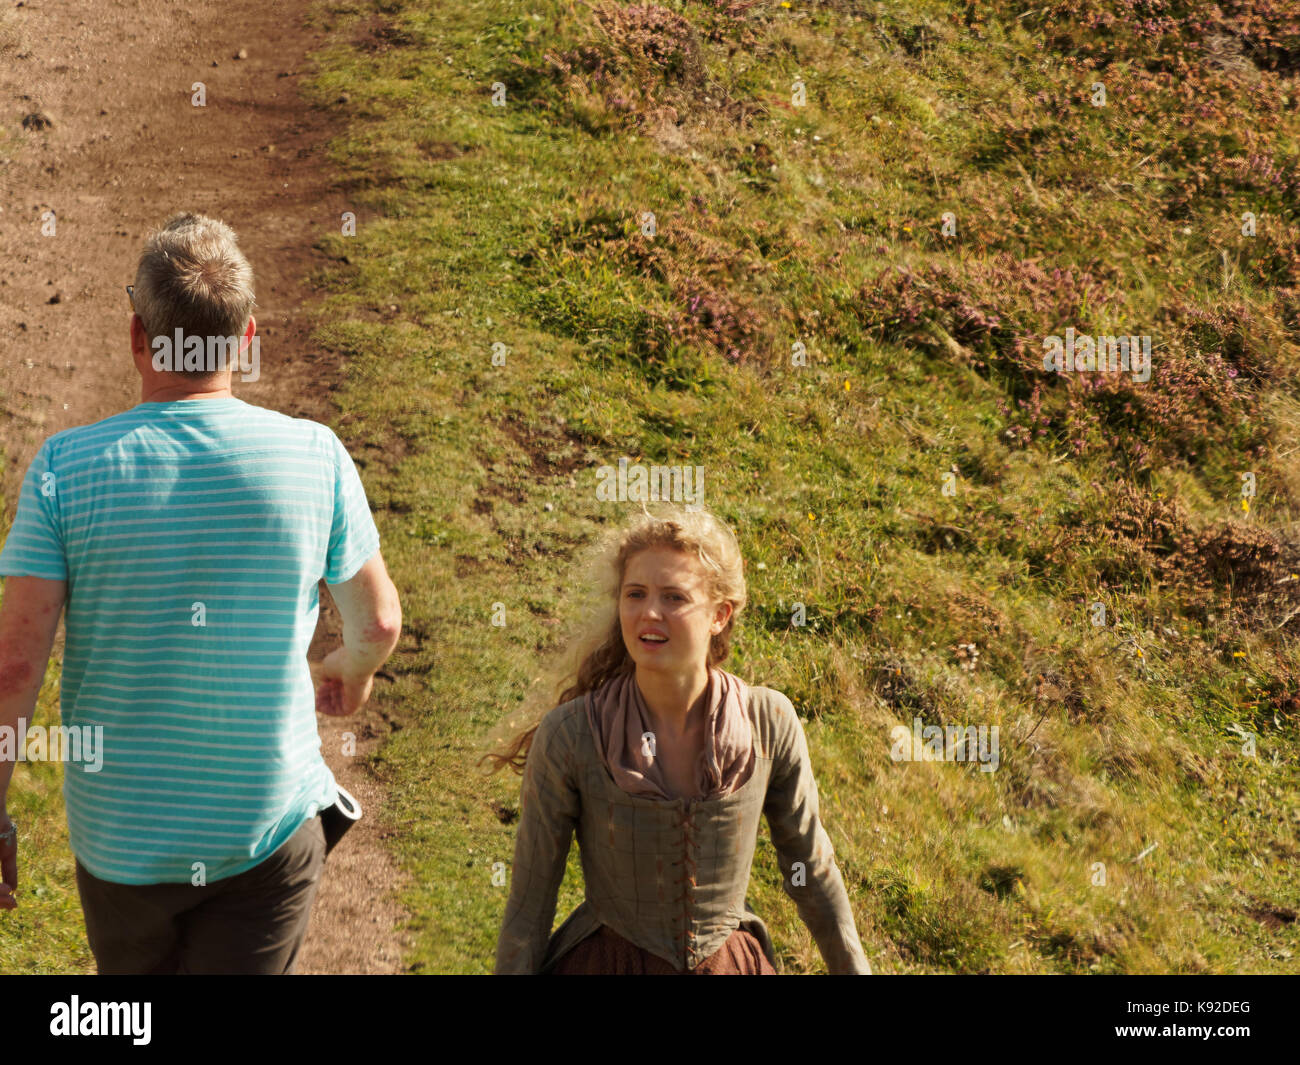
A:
(188, 536)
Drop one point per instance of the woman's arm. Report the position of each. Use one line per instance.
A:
(549, 806)
(804, 852)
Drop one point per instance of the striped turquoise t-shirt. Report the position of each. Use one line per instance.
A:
(192, 535)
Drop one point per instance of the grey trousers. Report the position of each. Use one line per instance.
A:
(250, 924)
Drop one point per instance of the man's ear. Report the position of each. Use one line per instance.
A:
(249, 333)
(139, 342)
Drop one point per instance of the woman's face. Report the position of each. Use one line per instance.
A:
(664, 592)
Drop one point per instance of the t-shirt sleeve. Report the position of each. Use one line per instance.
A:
(353, 535)
(34, 546)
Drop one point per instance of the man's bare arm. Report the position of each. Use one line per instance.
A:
(29, 619)
(372, 614)
(372, 625)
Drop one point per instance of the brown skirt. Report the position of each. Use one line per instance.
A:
(606, 953)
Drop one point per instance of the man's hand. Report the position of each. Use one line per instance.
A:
(8, 867)
(342, 687)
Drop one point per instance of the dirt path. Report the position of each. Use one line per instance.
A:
(125, 148)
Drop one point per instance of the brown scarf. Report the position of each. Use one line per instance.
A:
(619, 718)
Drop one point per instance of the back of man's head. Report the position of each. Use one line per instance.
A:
(193, 277)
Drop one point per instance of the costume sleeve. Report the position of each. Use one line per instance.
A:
(354, 539)
(804, 852)
(549, 808)
(34, 547)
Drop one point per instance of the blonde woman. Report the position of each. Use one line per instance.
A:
(661, 762)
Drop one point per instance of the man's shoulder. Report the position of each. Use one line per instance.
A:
(249, 415)
(281, 418)
(287, 423)
(257, 427)
(105, 426)
(67, 443)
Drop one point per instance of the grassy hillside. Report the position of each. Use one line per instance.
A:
(822, 224)
(915, 194)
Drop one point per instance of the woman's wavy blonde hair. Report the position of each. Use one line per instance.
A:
(597, 648)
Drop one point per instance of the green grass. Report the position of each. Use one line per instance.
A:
(777, 225)
(46, 933)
